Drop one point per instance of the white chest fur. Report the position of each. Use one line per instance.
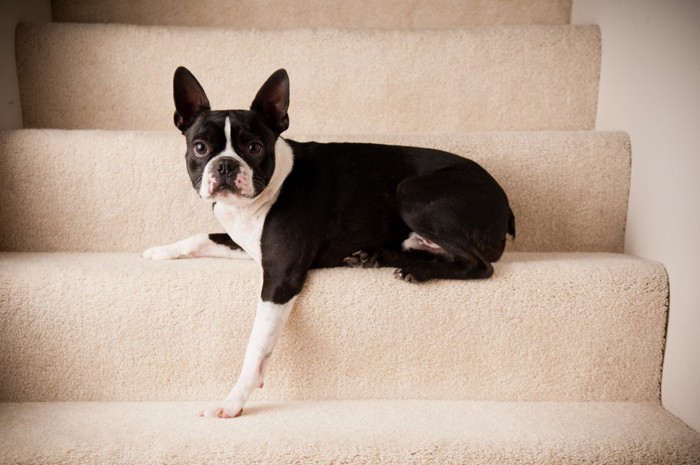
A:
(244, 220)
(244, 225)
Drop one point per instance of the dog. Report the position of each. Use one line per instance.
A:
(293, 207)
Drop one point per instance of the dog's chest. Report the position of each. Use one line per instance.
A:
(244, 225)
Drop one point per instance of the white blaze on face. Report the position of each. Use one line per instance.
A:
(244, 178)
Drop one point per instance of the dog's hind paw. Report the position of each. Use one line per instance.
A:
(405, 275)
(362, 259)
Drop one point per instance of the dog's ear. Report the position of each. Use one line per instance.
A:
(190, 99)
(272, 101)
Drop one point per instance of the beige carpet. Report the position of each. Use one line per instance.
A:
(126, 191)
(347, 432)
(286, 14)
(556, 359)
(482, 79)
(110, 327)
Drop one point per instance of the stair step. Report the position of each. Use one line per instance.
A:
(354, 432)
(343, 81)
(282, 14)
(103, 327)
(127, 191)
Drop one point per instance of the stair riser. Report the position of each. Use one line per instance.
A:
(96, 191)
(282, 14)
(501, 78)
(545, 327)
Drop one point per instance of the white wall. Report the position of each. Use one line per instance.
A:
(650, 87)
(12, 12)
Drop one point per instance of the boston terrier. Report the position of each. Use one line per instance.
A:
(294, 206)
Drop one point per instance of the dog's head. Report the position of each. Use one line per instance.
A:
(231, 154)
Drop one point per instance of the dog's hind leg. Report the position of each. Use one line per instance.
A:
(424, 262)
(464, 266)
(460, 215)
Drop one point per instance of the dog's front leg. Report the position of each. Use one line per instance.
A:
(270, 319)
(199, 246)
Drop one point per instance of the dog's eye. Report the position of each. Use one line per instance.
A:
(255, 148)
(200, 148)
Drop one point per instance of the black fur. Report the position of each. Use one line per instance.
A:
(224, 239)
(342, 198)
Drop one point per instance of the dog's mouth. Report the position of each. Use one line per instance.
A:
(222, 187)
(227, 178)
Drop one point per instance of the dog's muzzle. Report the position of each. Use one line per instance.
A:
(226, 175)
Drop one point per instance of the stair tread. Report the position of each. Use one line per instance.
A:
(109, 76)
(546, 326)
(367, 431)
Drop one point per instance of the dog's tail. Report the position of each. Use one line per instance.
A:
(511, 223)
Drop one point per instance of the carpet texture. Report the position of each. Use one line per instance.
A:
(482, 79)
(566, 327)
(348, 432)
(105, 358)
(283, 14)
(127, 191)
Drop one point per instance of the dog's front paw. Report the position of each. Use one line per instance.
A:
(223, 409)
(362, 259)
(161, 252)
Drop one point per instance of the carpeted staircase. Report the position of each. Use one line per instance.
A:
(107, 358)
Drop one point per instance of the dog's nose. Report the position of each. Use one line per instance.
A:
(226, 166)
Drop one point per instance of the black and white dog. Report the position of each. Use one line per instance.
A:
(294, 206)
